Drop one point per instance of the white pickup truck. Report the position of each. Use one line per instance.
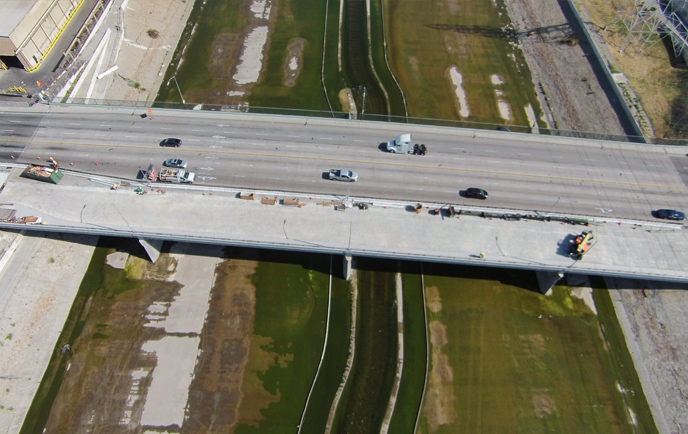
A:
(176, 175)
(343, 175)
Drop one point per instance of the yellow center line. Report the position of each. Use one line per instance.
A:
(370, 163)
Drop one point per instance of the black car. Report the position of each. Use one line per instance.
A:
(476, 193)
(670, 214)
(171, 142)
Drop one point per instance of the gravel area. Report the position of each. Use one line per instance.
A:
(655, 325)
(567, 88)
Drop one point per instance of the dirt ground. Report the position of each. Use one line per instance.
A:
(569, 93)
(216, 392)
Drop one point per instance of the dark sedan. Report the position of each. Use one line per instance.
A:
(171, 142)
(476, 193)
(669, 214)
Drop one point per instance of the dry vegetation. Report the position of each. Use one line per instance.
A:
(660, 86)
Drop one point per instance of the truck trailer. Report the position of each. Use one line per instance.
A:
(42, 173)
(176, 175)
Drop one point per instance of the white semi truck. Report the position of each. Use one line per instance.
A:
(176, 175)
(403, 145)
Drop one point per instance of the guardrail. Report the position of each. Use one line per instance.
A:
(27, 102)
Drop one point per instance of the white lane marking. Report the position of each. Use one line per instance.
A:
(101, 135)
(257, 144)
(39, 132)
(197, 130)
(524, 155)
(556, 156)
(219, 137)
(134, 126)
(588, 159)
(262, 134)
(193, 140)
(72, 123)
(292, 146)
(294, 136)
(16, 122)
(206, 168)
(105, 126)
(360, 141)
(325, 138)
(7, 131)
(488, 150)
(165, 128)
(130, 137)
(654, 165)
(67, 133)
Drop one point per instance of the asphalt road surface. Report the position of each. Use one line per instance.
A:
(520, 171)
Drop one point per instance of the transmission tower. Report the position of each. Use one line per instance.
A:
(647, 22)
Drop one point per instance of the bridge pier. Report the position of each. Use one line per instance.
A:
(547, 279)
(347, 266)
(152, 247)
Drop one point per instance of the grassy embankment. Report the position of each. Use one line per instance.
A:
(289, 329)
(512, 360)
(365, 399)
(427, 39)
(304, 20)
(334, 361)
(200, 77)
(413, 374)
(205, 74)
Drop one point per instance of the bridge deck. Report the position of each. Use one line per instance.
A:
(391, 229)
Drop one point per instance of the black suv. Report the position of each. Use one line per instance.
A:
(670, 214)
(476, 193)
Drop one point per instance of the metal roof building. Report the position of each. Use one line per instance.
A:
(29, 28)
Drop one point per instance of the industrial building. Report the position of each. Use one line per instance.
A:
(30, 28)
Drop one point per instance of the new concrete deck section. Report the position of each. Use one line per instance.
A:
(651, 250)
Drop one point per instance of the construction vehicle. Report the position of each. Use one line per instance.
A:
(177, 176)
(43, 173)
(581, 245)
(403, 145)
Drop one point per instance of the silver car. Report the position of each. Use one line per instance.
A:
(174, 162)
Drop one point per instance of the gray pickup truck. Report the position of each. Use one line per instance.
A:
(343, 175)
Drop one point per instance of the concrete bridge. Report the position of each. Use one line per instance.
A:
(84, 203)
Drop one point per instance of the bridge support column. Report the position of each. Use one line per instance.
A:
(547, 279)
(347, 266)
(152, 247)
